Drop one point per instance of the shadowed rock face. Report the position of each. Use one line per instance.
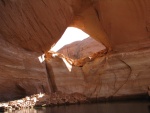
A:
(34, 25)
(28, 28)
(21, 73)
(116, 22)
(37, 26)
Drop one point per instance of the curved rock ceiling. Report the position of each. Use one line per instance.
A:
(36, 25)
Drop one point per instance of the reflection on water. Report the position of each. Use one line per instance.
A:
(113, 107)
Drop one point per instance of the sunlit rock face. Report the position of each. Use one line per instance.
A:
(21, 73)
(81, 49)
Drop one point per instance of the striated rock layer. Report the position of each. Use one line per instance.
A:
(112, 75)
(29, 28)
(21, 73)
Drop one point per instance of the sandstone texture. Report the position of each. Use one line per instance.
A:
(112, 75)
(29, 28)
(21, 73)
(34, 25)
(39, 25)
(116, 22)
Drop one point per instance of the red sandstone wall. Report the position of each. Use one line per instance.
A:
(21, 73)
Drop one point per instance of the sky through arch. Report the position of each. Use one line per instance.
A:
(71, 34)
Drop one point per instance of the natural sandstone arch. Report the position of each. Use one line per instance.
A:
(37, 25)
(28, 28)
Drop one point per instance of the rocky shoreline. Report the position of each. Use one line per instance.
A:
(27, 102)
(41, 100)
(59, 98)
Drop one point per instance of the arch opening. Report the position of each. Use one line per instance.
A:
(71, 35)
(75, 47)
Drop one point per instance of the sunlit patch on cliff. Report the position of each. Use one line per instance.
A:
(69, 66)
(40, 95)
(71, 34)
(41, 58)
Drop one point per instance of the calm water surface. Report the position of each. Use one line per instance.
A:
(113, 107)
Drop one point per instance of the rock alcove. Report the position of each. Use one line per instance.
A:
(28, 29)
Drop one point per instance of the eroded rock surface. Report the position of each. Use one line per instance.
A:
(34, 25)
(122, 26)
(112, 75)
(21, 72)
(116, 22)
(39, 25)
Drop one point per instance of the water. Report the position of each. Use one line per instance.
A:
(113, 107)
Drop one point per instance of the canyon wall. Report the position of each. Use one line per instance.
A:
(113, 75)
(21, 72)
(29, 28)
